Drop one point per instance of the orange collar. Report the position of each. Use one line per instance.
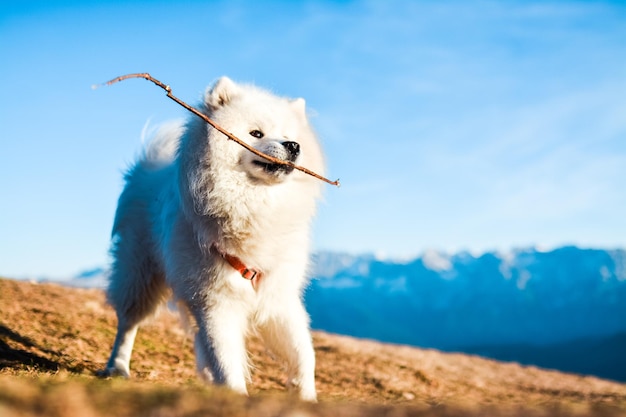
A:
(251, 274)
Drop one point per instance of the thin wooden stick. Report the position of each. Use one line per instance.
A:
(229, 135)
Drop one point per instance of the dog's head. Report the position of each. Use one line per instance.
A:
(272, 125)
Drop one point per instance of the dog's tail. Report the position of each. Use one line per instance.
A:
(160, 144)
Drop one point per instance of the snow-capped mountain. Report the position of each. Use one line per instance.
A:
(92, 278)
(455, 301)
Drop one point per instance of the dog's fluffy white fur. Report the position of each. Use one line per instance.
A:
(194, 194)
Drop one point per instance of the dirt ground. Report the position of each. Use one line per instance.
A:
(53, 339)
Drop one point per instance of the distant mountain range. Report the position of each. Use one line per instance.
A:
(562, 309)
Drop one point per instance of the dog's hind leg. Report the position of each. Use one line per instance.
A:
(119, 362)
(134, 298)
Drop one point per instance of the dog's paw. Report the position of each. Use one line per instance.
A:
(113, 372)
(306, 392)
(308, 395)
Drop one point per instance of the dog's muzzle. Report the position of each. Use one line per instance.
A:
(288, 152)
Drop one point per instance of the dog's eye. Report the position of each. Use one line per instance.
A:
(256, 133)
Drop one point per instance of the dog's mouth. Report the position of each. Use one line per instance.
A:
(271, 168)
(287, 151)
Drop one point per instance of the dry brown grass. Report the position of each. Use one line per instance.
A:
(53, 339)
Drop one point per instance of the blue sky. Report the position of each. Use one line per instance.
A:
(453, 125)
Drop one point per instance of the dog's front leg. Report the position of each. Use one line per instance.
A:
(220, 348)
(287, 334)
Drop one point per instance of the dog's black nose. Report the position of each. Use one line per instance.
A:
(293, 148)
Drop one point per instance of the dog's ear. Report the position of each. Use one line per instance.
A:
(221, 93)
(300, 105)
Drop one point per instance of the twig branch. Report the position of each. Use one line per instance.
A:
(229, 135)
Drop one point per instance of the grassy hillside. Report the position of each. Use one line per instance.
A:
(53, 339)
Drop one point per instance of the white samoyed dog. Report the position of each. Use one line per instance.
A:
(224, 231)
